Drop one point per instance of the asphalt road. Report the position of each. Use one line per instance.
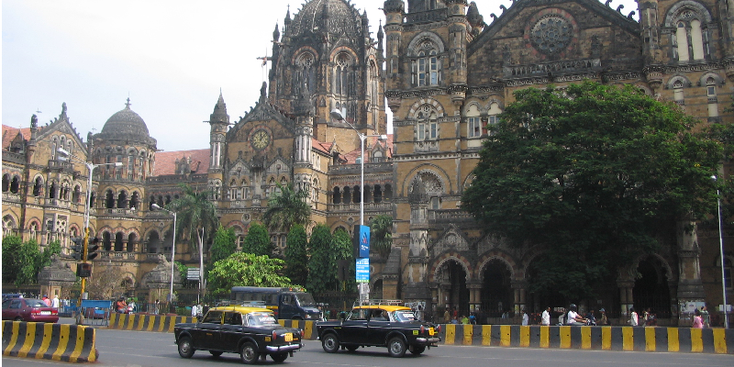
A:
(150, 349)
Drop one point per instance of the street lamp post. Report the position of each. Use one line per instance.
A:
(90, 168)
(173, 248)
(337, 115)
(721, 254)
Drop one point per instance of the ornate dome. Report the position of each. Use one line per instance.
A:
(125, 124)
(332, 16)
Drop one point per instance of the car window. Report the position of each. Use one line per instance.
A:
(358, 314)
(260, 318)
(6, 304)
(233, 318)
(380, 315)
(15, 303)
(404, 316)
(213, 317)
(35, 303)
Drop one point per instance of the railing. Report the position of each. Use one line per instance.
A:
(550, 67)
(351, 207)
(448, 215)
(427, 16)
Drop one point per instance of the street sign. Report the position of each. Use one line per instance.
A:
(193, 274)
(363, 270)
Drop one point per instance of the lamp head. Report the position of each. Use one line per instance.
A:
(156, 206)
(383, 137)
(118, 164)
(713, 178)
(63, 151)
(336, 114)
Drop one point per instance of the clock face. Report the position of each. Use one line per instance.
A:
(260, 139)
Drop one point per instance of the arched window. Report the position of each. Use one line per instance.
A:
(426, 65)
(427, 125)
(76, 197)
(119, 241)
(305, 74)
(38, 187)
(110, 199)
(691, 38)
(107, 241)
(122, 200)
(473, 122)
(135, 201)
(131, 242)
(6, 182)
(346, 195)
(337, 196)
(713, 102)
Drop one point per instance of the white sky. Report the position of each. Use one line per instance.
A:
(170, 57)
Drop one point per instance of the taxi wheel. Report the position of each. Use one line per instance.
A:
(215, 353)
(279, 357)
(185, 350)
(330, 343)
(249, 353)
(417, 349)
(396, 347)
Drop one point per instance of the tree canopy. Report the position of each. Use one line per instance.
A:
(26, 261)
(257, 241)
(287, 207)
(224, 244)
(243, 269)
(322, 266)
(196, 217)
(381, 236)
(593, 174)
(296, 257)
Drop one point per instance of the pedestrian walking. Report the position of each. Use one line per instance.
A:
(545, 316)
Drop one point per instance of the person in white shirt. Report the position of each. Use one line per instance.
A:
(545, 316)
(634, 321)
(573, 317)
(194, 310)
(525, 318)
(55, 301)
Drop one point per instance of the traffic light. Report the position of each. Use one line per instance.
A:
(83, 270)
(92, 248)
(78, 248)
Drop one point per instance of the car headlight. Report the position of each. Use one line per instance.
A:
(308, 315)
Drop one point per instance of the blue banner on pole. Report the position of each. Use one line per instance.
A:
(364, 241)
(363, 270)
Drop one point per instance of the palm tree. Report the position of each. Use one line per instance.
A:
(196, 216)
(286, 207)
(381, 235)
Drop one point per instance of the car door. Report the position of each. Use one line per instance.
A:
(15, 306)
(354, 329)
(231, 331)
(207, 333)
(378, 326)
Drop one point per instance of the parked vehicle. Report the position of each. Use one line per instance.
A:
(253, 332)
(379, 325)
(29, 309)
(286, 303)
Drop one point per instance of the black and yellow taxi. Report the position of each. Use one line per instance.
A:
(380, 325)
(251, 331)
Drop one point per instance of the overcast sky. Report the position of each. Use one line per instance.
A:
(171, 58)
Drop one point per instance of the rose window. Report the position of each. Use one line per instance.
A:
(551, 35)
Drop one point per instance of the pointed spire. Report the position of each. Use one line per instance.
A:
(220, 111)
(127, 104)
(380, 36)
(276, 33)
(287, 20)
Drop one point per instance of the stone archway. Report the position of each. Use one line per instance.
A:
(497, 294)
(651, 289)
(451, 276)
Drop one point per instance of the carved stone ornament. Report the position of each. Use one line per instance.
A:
(551, 34)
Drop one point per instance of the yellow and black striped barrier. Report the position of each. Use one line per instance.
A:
(59, 342)
(622, 338)
(308, 327)
(144, 322)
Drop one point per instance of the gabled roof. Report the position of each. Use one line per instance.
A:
(352, 156)
(9, 133)
(322, 146)
(165, 162)
(263, 111)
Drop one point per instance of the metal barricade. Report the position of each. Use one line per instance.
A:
(95, 312)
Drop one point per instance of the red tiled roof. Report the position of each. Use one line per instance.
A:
(352, 156)
(165, 162)
(9, 133)
(322, 146)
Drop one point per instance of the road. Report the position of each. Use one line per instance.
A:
(149, 349)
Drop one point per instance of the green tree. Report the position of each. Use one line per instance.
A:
(224, 244)
(593, 174)
(11, 267)
(343, 250)
(381, 236)
(245, 269)
(322, 264)
(287, 207)
(296, 258)
(196, 217)
(257, 241)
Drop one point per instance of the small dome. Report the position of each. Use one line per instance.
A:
(126, 124)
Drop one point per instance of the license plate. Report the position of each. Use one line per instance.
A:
(45, 313)
(430, 331)
(288, 337)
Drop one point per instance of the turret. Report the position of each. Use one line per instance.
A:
(219, 121)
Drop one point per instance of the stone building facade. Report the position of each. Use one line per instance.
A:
(445, 71)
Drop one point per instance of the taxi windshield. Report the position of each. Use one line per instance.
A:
(261, 318)
(404, 316)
